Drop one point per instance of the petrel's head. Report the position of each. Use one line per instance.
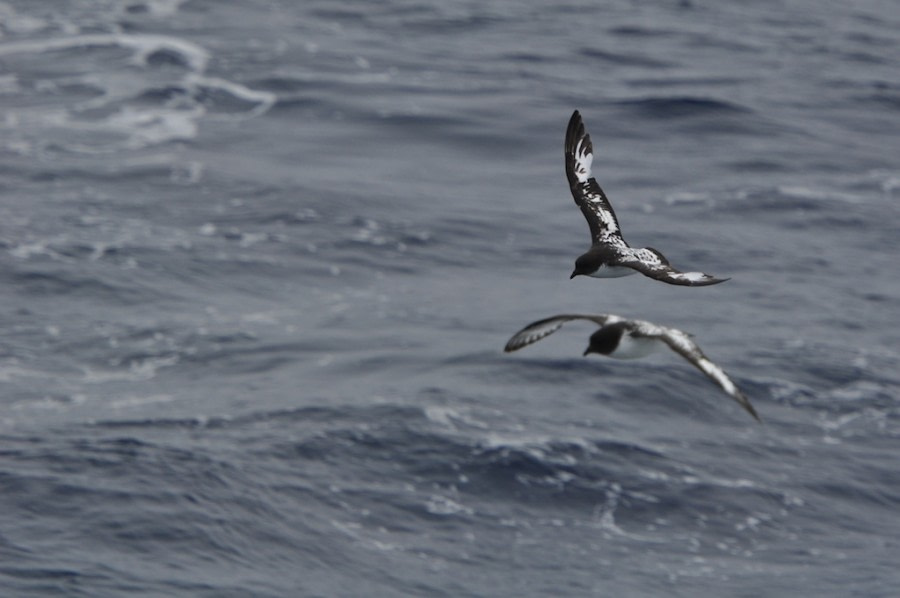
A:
(605, 340)
(583, 267)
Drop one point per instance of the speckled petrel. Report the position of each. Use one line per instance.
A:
(610, 256)
(621, 338)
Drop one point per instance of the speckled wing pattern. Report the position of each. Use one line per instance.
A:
(587, 192)
(652, 263)
(542, 328)
(681, 343)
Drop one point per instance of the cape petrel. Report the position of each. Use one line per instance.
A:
(610, 256)
(621, 338)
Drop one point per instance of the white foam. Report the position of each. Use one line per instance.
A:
(448, 416)
(119, 94)
(144, 369)
(686, 197)
(263, 100)
(441, 505)
(25, 251)
(800, 192)
(145, 127)
(163, 8)
(143, 45)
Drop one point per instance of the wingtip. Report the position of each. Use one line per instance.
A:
(512, 346)
(744, 402)
(753, 412)
(574, 132)
(708, 280)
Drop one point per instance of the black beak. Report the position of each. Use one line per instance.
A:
(574, 274)
(586, 351)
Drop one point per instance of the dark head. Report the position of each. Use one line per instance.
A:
(605, 340)
(584, 265)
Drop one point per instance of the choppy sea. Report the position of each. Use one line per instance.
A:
(259, 260)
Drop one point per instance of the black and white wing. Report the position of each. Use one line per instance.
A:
(587, 193)
(681, 343)
(538, 330)
(652, 263)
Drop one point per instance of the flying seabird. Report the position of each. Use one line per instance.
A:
(610, 256)
(621, 338)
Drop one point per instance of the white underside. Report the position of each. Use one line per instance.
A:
(612, 272)
(633, 348)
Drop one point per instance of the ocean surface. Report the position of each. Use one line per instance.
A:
(260, 258)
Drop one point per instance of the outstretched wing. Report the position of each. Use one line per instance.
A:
(652, 263)
(681, 343)
(587, 193)
(538, 330)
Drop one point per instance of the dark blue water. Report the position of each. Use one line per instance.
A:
(259, 261)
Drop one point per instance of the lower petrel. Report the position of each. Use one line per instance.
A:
(610, 256)
(621, 338)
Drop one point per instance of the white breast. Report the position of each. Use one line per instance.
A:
(605, 271)
(633, 348)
